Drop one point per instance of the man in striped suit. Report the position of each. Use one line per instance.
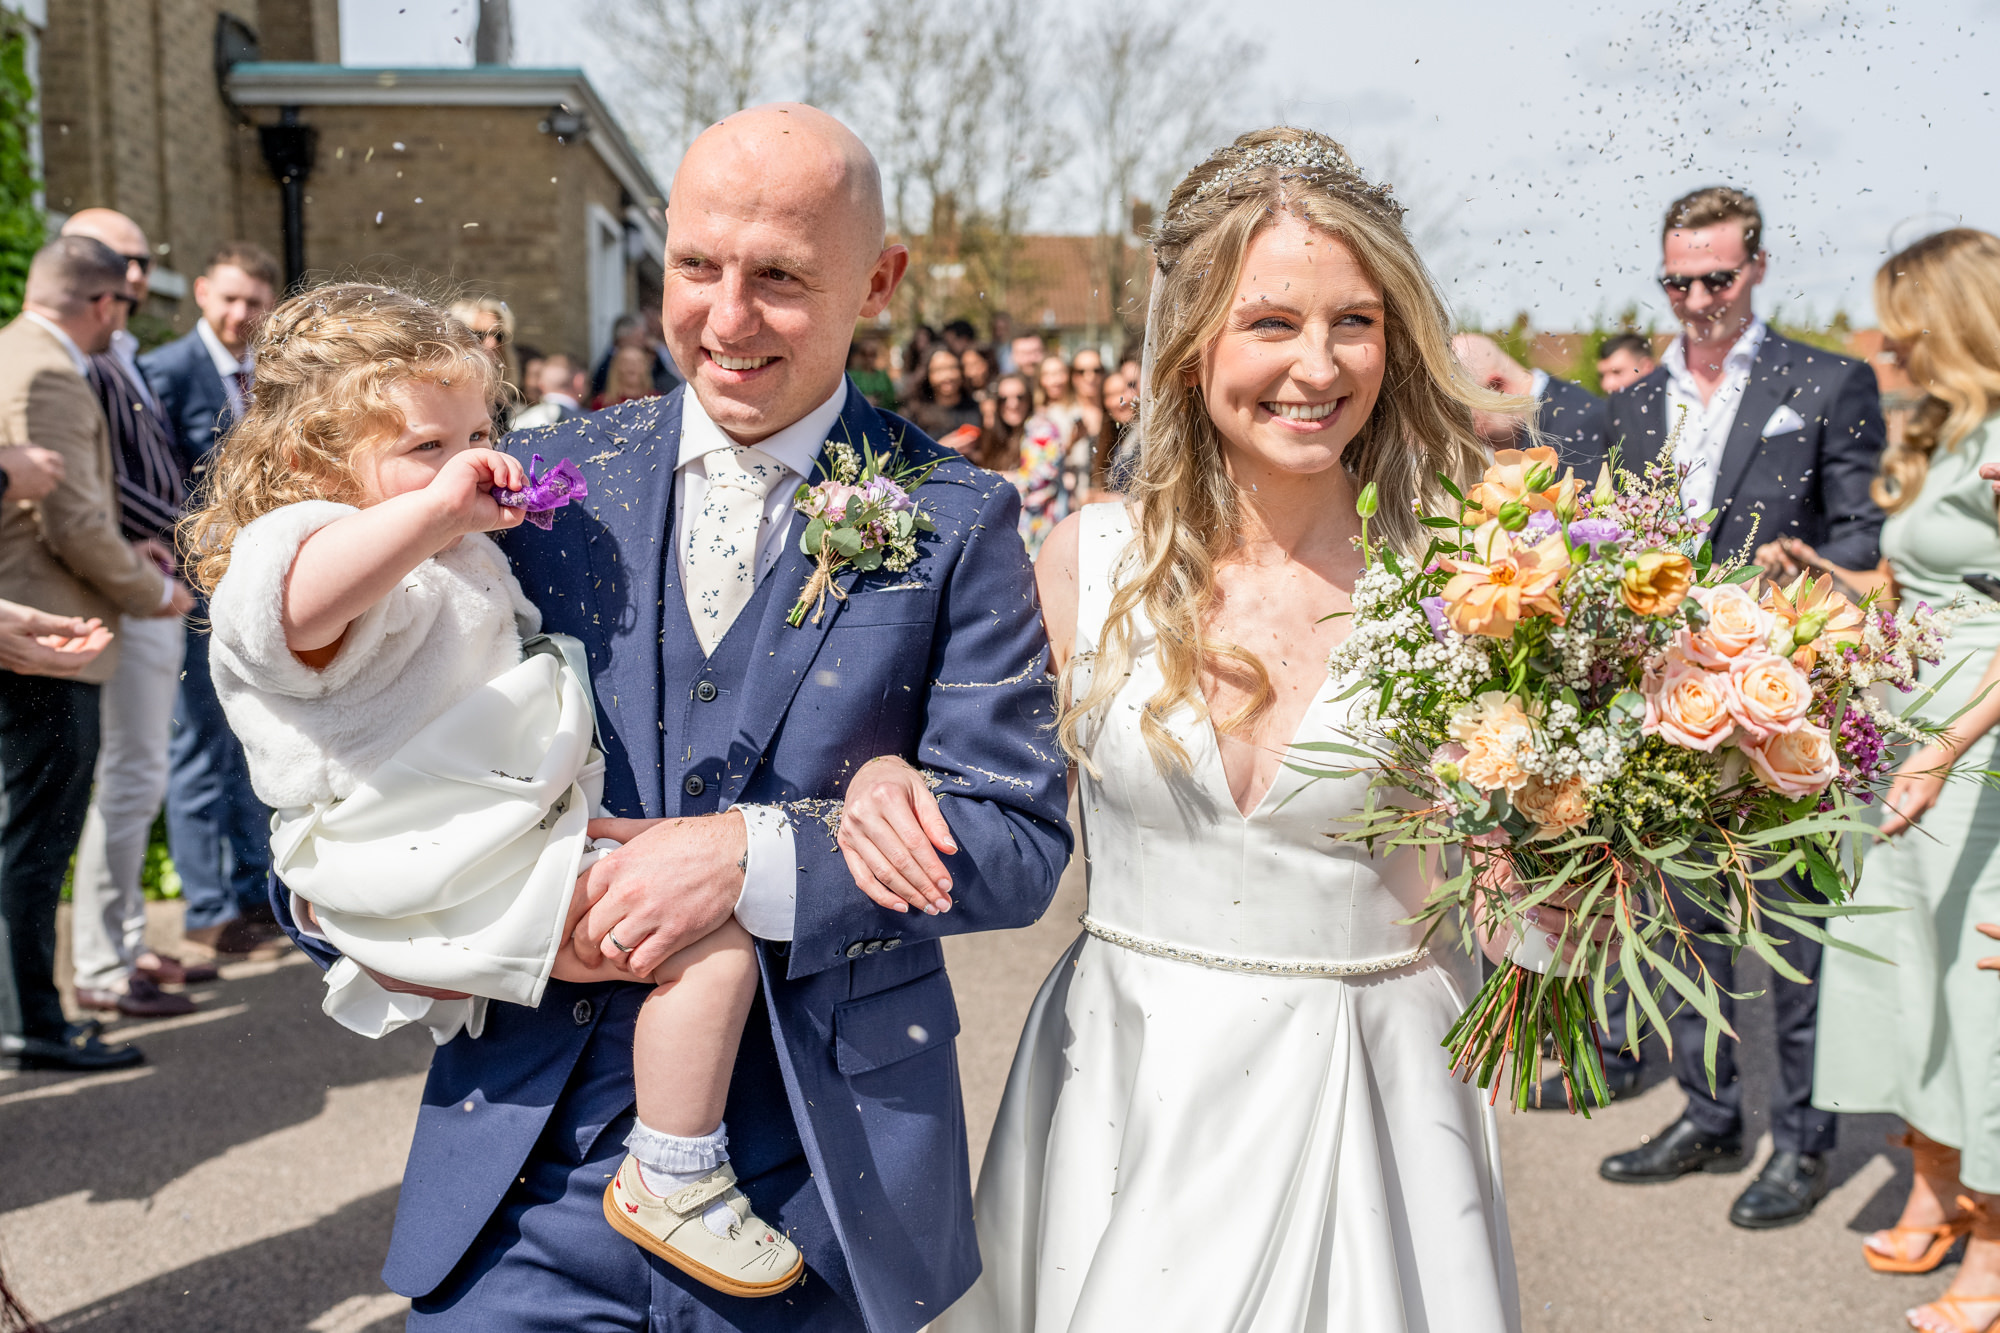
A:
(115, 971)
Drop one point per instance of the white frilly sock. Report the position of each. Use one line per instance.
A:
(668, 1162)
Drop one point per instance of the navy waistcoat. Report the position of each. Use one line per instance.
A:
(708, 692)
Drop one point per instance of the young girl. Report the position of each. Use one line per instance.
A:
(433, 780)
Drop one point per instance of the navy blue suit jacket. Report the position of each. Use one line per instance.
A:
(1810, 482)
(191, 393)
(943, 664)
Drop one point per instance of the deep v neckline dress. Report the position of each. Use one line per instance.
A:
(1230, 1108)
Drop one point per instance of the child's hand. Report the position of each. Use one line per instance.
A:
(887, 830)
(464, 486)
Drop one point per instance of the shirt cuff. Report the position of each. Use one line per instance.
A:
(767, 905)
(167, 597)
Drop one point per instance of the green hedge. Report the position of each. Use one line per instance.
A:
(22, 228)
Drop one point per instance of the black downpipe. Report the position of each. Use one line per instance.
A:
(288, 152)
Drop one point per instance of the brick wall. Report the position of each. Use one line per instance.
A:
(502, 211)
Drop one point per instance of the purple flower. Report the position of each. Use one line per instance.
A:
(1595, 532)
(545, 492)
(1434, 612)
(1541, 523)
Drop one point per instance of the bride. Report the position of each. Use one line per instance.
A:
(1230, 1108)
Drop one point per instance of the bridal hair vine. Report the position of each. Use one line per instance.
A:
(1313, 159)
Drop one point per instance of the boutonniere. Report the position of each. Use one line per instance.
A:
(862, 515)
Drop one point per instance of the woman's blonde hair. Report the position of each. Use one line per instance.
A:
(1188, 520)
(326, 362)
(1939, 300)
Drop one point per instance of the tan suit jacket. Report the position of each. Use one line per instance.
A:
(64, 553)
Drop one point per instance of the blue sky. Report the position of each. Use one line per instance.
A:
(1537, 144)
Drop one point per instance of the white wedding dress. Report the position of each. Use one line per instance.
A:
(1230, 1109)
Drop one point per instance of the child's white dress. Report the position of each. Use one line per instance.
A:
(431, 785)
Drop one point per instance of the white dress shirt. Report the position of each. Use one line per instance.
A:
(126, 348)
(767, 905)
(227, 364)
(1706, 432)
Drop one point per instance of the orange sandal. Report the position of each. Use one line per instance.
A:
(1931, 1159)
(1985, 1227)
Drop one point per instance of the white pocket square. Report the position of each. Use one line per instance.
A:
(1784, 421)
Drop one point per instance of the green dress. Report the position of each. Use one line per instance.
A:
(1921, 1038)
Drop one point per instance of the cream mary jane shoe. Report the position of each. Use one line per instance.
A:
(754, 1259)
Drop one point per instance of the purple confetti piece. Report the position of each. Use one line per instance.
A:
(546, 492)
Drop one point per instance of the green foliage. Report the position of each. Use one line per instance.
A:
(157, 876)
(22, 229)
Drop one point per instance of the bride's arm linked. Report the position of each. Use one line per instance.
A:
(891, 828)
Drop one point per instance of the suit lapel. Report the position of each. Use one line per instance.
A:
(1770, 384)
(782, 655)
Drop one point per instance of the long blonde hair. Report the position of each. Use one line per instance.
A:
(326, 361)
(1940, 301)
(1188, 518)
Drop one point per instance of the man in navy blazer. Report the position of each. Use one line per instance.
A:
(217, 829)
(728, 767)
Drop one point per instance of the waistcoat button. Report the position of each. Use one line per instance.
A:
(694, 786)
(874, 946)
(856, 950)
(891, 944)
(581, 1013)
(705, 691)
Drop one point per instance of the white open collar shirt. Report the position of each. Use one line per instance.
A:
(767, 906)
(1706, 433)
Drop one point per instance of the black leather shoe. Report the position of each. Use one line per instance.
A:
(1551, 1095)
(1672, 1153)
(1784, 1192)
(79, 1050)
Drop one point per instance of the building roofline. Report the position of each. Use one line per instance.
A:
(276, 83)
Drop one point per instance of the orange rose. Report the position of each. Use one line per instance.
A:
(1512, 579)
(1656, 582)
(1772, 696)
(1555, 810)
(1795, 763)
(1507, 479)
(1805, 607)
(1690, 705)
(1736, 626)
(1495, 730)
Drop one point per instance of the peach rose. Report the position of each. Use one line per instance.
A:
(1505, 581)
(1736, 625)
(1495, 730)
(1656, 582)
(1689, 705)
(1802, 607)
(1795, 763)
(1772, 696)
(1507, 479)
(1554, 810)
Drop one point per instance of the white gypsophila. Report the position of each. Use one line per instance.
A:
(1886, 721)
(1576, 654)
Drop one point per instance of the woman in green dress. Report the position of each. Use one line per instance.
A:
(1920, 1037)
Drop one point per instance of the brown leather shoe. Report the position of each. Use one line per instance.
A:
(141, 999)
(167, 970)
(241, 938)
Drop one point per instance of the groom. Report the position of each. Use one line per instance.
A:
(739, 735)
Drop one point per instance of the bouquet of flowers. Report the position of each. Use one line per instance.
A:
(862, 515)
(1572, 688)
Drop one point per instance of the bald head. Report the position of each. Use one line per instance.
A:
(816, 161)
(122, 234)
(775, 247)
(1490, 364)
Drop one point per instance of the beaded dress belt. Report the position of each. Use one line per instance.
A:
(1258, 966)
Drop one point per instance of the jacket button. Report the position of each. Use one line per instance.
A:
(891, 944)
(694, 786)
(874, 946)
(856, 950)
(705, 691)
(581, 1013)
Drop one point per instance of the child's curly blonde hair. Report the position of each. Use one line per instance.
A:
(326, 362)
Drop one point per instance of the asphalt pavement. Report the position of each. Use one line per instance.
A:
(245, 1178)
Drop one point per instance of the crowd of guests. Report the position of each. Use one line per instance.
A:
(108, 716)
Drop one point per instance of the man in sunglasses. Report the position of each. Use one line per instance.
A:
(1779, 439)
(66, 555)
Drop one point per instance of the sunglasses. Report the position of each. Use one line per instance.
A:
(1013, 397)
(131, 301)
(1087, 370)
(145, 262)
(1715, 284)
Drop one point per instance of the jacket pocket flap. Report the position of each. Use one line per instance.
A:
(894, 1024)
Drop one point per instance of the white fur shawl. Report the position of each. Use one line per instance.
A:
(311, 735)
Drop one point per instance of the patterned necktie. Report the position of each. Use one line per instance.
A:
(724, 539)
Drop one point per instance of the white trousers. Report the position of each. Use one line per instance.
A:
(109, 925)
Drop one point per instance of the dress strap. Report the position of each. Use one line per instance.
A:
(1105, 532)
